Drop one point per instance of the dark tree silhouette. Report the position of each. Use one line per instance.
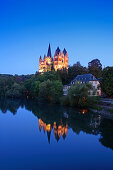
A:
(107, 81)
(95, 68)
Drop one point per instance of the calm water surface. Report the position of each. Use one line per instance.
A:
(53, 137)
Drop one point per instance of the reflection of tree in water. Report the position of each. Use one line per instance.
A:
(59, 119)
(106, 131)
(10, 105)
(87, 123)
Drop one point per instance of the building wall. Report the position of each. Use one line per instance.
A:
(60, 61)
(95, 85)
(45, 65)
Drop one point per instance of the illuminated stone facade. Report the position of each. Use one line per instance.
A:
(60, 61)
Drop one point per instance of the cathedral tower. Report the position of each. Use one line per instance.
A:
(46, 64)
(60, 59)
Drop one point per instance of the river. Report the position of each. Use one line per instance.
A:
(46, 136)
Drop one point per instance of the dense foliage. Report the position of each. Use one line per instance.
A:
(47, 86)
(107, 81)
(51, 90)
(78, 95)
(95, 68)
(11, 87)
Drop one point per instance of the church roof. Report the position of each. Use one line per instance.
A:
(64, 51)
(85, 77)
(49, 51)
(58, 50)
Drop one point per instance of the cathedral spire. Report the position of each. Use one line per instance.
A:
(64, 51)
(49, 51)
(58, 50)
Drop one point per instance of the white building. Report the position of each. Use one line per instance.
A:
(83, 79)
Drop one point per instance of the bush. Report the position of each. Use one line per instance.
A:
(78, 96)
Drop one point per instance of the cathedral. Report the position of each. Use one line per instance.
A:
(49, 63)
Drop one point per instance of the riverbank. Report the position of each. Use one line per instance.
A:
(104, 108)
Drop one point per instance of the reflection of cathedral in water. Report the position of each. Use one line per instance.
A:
(60, 130)
(75, 120)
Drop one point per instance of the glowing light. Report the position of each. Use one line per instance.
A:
(84, 111)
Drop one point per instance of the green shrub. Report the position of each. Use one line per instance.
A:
(78, 96)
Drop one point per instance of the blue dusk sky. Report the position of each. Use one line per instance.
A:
(83, 27)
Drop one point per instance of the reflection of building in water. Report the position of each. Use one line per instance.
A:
(60, 130)
(84, 111)
(95, 123)
(89, 124)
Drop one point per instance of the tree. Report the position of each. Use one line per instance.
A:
(6, 82)
(50, 90)
(95, 68)
(107, 81)
(3, 83)
(45, 90)
(16, 91)
(27, 85)
(58, 90)
(77, 64)
(62, 75)
(75, 70)
(78, 95)
(46, 76)
(35, 88)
